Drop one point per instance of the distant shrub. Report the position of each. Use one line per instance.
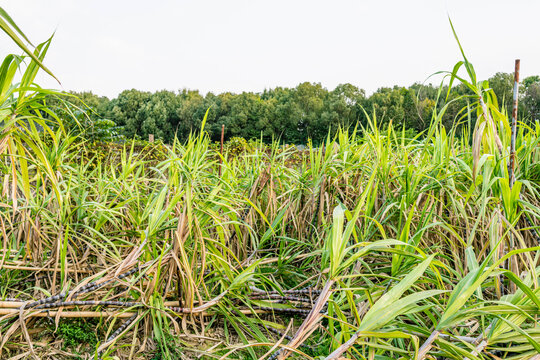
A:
(236, 146)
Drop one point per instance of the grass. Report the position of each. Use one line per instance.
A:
(374, 245)
(78, 332)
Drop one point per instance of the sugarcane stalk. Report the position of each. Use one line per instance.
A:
(285, 336)
(424, 349)
(221, 148)
(308, 291)
(122, 327)
(102, 314)
(281, 298)
(39, 269)
(84, 289)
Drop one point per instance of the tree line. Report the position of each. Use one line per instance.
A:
(292, 115)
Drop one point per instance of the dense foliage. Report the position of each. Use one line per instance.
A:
(294, 115)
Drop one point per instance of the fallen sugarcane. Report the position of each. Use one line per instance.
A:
(84, 289)
(56, 306)
(13, 307)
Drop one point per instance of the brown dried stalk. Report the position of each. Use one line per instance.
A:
(310, 323)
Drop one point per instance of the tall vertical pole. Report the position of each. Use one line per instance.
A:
(512, 167)
(221, 148)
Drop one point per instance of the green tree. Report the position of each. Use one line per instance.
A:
(503, 87)
(123, 111)
(387, 104)
(531, 98)
(190, 112)
(158, 116)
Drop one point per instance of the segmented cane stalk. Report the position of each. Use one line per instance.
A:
(125, 304)
(281, 298)
(84, 289)
(122, 328)
(118, 331)
(279, 333)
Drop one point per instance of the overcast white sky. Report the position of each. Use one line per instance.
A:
(215, 45)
